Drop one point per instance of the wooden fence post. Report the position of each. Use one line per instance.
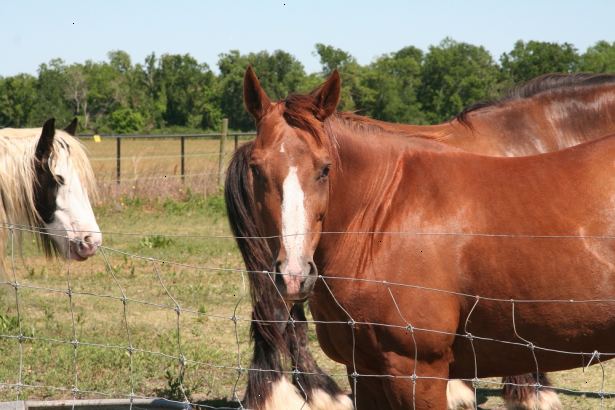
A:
(182, 150)
(118, 154)
(222, 142)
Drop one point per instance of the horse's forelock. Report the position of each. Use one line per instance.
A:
(75, 152)
(300, 112)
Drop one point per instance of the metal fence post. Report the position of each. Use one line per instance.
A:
(236, 141)
(118, 154)
(221, 157)
(183, 160)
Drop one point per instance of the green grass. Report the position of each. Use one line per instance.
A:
(205, 287)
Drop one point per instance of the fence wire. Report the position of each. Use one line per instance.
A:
(172, 303)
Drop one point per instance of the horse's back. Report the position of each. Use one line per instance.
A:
(545, 116)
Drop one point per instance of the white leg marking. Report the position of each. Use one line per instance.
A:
(285, 396)
(322, 400)
(459, 396)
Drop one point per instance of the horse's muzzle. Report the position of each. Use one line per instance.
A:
(295, 285)
(82, 249)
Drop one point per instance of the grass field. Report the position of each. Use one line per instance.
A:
(206, 287)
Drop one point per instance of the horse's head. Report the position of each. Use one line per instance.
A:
(290, 164)
(61, 198)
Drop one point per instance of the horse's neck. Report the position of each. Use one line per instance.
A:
(367, 169)
(543, 123)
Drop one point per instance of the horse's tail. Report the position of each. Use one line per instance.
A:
(272, 340)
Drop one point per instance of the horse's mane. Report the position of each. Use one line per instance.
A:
(299, 111)
(18, 176)
(364, 124)
(548, 83)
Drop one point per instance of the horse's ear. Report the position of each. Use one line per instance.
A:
(72, 127)
(254, 97)
(327, 96)
(45, 142)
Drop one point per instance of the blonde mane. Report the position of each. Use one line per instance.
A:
(17, 178)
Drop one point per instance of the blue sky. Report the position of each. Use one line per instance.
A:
(33, 32)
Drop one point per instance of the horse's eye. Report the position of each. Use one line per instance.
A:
(324, 172)
(60, 179)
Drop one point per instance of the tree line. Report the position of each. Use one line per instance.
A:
(175, 92)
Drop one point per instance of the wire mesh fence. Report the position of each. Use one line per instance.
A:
(191, 346)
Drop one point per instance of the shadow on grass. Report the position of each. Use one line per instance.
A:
(482, 395)
(216, 404)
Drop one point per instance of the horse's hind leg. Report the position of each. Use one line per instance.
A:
(520, 393)
(322, 391)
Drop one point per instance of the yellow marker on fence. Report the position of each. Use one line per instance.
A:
(97, 138)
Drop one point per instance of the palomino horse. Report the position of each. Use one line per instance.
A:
(305, 124)
(546, 114)
(46, 182)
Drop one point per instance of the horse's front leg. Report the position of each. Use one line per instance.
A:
(397, 389)
(425, 389)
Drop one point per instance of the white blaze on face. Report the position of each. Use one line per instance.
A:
(294, 225)
(73, 216)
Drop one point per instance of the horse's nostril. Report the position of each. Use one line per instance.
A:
(88, 239)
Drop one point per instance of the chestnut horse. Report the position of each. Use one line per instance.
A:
(266, 108)
(546, 114)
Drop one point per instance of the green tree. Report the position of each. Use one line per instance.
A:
(455, 75)
(17, 99)
(105, 92)
(125, 121)
(148, 96)
(76, 92)
(279, 73)
(332, 58)
(393, 80)
(354, 92)
(534, 58)
(120, 61)
(186, 85)
(51, 102)
(599, 58)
